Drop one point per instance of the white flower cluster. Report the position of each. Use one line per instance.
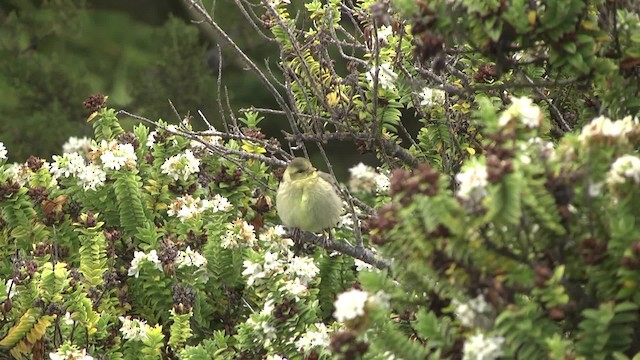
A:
(604, 128)
(79, 145)
(522, 109)
(186, 207)
(295, 288)
(275, 3)
(350, 304)
(67, 165)
(362, 266)
(626, 167)
(274, 236)
(302, 268)
(90, 176)
(181, 166)
(544, 149)
(139, 258)
(151, 139)
(210, 139)
(431, 97)
(3, 152)
(386, 76)
(299, 272)
(384, 32)
(317, 337)
(115, 156)
(254, 272)
(474, 312)
(276, 357)
(480, 347)
(133, 329)
(189, 257)
(20, 173)
(70, 352)
(261, 327)
(473, 182)
(365, 179)
(239, 234)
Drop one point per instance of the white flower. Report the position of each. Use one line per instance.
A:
(624, 168)
(185, 207)
(545, 149)
(474, 312)
(473, 182)
(346, 221)
(239, 233)
(365, 179)
(523, 109)
(253, 272)
(181, 166)
(384, 32)
(139, 257)
(19, 173)
(67, 165)
(276, 3)
(361, 265)
(294, 287)
(350, 304)
(11, 289)
(133, 329)
(3, 152)
(151, 139)
(314, 338)
(603, 127)
(91, 177)
(70, 352)
(264, 331)
(479, 347)
(272, 262)
(362, 179)
(386, 76)
(189, 257)
(274, 236)
(382, 183)
(114, 156)
(67, 318)
(595, 189)
(75, 144)
(431, 97)
(276, 357)
(302, 267)
(380, 298)
(220, 203)
(268, 307)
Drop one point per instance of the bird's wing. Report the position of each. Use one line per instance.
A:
(328, 178)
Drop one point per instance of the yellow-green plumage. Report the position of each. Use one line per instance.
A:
(306, 198)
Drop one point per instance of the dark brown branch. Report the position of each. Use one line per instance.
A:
(360, 253)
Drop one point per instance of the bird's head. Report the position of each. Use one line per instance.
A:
(298, 169)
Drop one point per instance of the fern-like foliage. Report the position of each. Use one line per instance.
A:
(180, 329)
(106, 125)
(30, 329)
(93, 256)
(153, 343)
(127, 188)
(607, 329)
(525, 329)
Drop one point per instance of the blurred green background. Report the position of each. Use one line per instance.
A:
(56, 53)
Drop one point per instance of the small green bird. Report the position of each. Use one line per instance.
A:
(306, 198)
